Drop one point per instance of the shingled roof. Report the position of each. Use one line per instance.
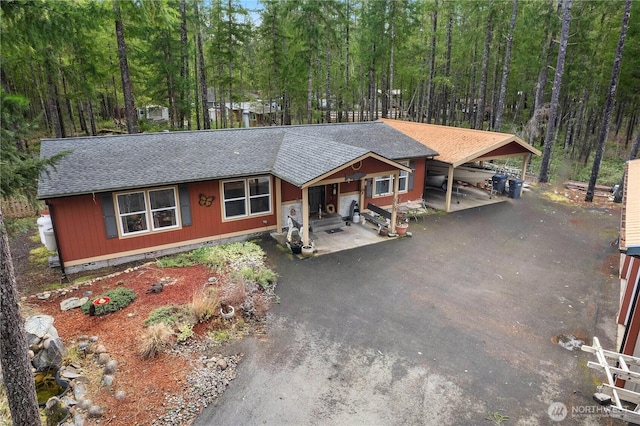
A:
(457, 145)
(296, 154)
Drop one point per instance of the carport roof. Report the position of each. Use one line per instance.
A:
(630, 222)
(458, 145)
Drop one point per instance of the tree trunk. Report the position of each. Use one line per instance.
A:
(611, 94)
(14, 357)
(447, 70)
(127, 89)
(310, 90)
(185, 108)
(485, 71)
(432, 63)
(543, 73)
(52, 103)
(92, 118)
(206, 120)
(328, 85)
(555, 94)
(392, 50)
(505, 68)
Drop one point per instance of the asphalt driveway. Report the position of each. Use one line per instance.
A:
(457, 325)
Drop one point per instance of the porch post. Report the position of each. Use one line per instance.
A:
(362, 191)
(278, 201)
(305, 215)
(394, 207)
(449, 189)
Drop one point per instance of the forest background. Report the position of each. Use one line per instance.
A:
(84, 65)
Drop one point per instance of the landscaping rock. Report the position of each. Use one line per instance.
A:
(120, 395)
(222, 364)
(111, 367)
(100, 349)
(38, 324)
(103, 358)
(72, 303)
(95, 412)
(107, 380)
(51, 356)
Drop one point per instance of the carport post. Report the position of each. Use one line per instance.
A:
(525, 161)
(449, 189)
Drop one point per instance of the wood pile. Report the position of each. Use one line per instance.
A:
(600, 190)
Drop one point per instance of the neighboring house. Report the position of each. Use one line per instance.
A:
(154, 113)
(629, 314)
(115, 199)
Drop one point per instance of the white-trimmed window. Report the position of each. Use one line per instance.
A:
(147, 211)
(246, 197)
(383, 185)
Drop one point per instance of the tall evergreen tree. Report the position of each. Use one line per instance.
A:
(611, 94)
(555, 94)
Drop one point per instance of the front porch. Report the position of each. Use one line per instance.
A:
(339, 238)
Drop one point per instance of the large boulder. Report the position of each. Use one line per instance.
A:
(50, 355)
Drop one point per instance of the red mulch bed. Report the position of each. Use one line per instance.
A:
(144, 381)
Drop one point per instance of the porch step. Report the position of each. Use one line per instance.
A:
(327, 222)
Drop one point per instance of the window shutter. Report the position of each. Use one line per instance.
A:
(412, 166)
(368, 188)
(185, 205)
(109, 215)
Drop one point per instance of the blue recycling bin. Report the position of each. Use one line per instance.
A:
(515, 188)
(499, 183)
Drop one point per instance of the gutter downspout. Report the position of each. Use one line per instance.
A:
(55, 235)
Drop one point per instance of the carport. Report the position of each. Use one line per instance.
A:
(458, 146)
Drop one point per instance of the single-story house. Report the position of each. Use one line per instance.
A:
(115, 199)
(458, 146)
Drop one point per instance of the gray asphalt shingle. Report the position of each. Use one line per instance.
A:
(296, 154)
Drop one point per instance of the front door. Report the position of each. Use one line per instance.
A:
(316, 198)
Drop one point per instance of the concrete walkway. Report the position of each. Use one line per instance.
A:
(456, 326)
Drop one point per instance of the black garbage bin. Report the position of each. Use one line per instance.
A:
(515, 188)
(499, 182)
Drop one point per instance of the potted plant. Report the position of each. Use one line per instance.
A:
(402, 223)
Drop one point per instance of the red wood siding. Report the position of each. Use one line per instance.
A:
(413, 194)
(290, 192)
(79, 225)
(631, 275)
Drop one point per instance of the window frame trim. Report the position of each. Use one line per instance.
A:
(247, 198)
(390, 177)
(148, 212)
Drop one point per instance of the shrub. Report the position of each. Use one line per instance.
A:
(219, 335)
(204, 304)
(120, 298)
(181, 260)
(185, 331)
(234, 293)
(169, 315)
(265, 277)
(155, 340)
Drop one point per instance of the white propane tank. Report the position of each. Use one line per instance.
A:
(44, 222)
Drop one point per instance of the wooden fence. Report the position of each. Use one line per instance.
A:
(16, 208)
